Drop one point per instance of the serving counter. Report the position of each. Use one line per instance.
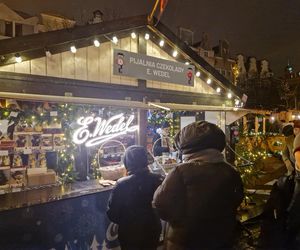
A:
(57, 217)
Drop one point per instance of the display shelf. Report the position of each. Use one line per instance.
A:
(18, 169)
(27, 133)
(5, 168)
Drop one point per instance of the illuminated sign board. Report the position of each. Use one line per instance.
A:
(103, 130)
(151, 68)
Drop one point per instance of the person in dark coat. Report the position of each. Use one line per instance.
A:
(288, 154)
(130, 203)
(161, 142)
(293, 220)
(199, 197)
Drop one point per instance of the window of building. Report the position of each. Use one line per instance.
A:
(8, 29)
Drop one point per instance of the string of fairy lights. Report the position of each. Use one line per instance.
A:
(172, 49)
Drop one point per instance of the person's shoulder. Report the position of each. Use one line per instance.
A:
(122, 181)
(156, 177)
(290, 139)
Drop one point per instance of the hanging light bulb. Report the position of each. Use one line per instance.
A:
(18, 58)
(218, 89)
(147, 36)
(198, 73)
(229, 95)
(133, 35)
(73, 49)
(175, 53)
(96, 43)
(115, 40)
(208, 81)
(161, 43)
(187, 63)
(237, 102)
(272, 118)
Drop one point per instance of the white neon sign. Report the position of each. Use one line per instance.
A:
(104, 129)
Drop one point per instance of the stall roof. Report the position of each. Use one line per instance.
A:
(73, 100)
(35, 45)
(112, 102)
(187, 107)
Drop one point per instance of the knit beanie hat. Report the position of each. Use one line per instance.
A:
(198, 136)
(135, 159)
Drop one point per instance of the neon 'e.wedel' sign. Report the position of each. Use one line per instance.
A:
(104, 129)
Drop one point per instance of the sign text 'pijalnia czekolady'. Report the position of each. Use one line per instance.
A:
(151, 68)
(103, 130)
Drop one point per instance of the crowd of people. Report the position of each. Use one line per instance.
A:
(197, 200)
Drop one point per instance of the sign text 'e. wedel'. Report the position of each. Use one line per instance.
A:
(103, 130)
(151, 68)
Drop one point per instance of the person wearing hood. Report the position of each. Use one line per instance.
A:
(199, 197)
(130, 206)
(288, 154)
(293, 221)
(161, 142)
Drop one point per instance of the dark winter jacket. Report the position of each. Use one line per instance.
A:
(130, 202)
(158, 149)
(199, 198)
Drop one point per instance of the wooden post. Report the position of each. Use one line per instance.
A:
(256, 124)
(142, 122)
(264, 125)
(245, 126)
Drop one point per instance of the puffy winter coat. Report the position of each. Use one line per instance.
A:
(199, 198)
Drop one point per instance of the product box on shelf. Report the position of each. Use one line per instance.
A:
(17, 177)
(39, 179)
(47, 142)
(37, 165)
(7, 144)
(17, 161)
(4, 180)
(58, 141)
(21, 141)
(36, 140)
(5, 161)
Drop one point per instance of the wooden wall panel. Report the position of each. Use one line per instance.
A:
(68, 64)
(104, 62)
(54, 65)
(93, 70)
(81, 64)
(114, 78)
(23, 67)
(8, 68)
(38, 66)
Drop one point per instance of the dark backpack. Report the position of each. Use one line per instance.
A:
(274, 218)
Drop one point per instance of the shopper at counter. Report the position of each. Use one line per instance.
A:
(199, 198)
(288, 154)
(130, 203)
(161, 143)
(293, 220)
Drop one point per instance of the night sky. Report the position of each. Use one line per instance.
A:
(266, 29)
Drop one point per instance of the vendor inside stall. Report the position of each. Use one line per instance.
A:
(161, 141)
